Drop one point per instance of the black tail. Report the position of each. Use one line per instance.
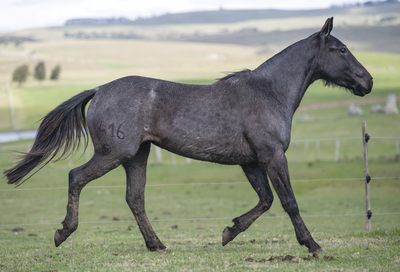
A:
(59, 134)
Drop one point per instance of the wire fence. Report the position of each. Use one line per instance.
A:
(194, 184)
(332, 149)
(306, 150)
(199, 219)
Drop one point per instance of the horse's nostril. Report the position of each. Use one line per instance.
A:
(359, 74)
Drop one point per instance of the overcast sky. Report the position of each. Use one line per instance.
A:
(23, 14)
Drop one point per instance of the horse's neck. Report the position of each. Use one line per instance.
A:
(290, 72)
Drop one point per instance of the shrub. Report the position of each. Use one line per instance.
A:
(20, 74)
(40, 71)
(55, 73)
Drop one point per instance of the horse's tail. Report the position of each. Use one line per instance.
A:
(59, 134)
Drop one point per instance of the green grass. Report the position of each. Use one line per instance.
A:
(103, 244)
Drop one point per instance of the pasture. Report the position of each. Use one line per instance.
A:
(190, 204)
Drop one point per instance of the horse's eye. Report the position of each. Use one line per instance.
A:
(343, 50)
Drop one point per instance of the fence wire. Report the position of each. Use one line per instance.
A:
(199, 219)
(193, 184)
(211, 183)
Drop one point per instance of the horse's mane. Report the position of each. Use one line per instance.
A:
(230, 75)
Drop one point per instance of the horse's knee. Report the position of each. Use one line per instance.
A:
(266, 201)
(266, 205)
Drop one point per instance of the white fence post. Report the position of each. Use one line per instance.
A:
(317, 145)
(173, 159)
(306, 150)
(337, 147)
(158, 154)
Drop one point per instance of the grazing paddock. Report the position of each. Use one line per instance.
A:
(108, 239)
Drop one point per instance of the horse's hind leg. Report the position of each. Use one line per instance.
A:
(135, 169)
(259, 181)
(78, 178)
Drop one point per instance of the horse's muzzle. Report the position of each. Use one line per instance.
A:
(363, 88)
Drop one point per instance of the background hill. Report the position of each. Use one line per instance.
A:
(364, 27)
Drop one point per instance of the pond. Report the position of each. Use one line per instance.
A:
(6, 137)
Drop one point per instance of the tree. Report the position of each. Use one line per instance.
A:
(55, 73)
(20, 74)
(40, 71)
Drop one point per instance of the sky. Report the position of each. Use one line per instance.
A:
(25, 14)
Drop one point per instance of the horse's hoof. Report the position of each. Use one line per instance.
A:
(319, 251)
(226, 237)
(58, 240)
(164, 250)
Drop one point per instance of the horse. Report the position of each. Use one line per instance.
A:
(244, 119)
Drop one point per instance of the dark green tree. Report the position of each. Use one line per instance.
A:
(20, 74)
(40, 71)
(55, 73)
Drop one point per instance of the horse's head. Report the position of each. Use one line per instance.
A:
(338, 66)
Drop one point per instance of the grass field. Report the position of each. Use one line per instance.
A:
(107, 239)
(190, 63)
(330, 194)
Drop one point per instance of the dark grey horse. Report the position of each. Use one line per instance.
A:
(243, 119)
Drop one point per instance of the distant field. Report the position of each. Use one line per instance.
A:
(87, 64)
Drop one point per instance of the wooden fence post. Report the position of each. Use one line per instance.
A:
(367, 177)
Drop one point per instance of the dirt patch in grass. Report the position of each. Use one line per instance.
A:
(289, 258)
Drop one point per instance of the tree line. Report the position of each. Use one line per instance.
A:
(21, 73)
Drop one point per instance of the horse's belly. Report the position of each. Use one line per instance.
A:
(233, 153)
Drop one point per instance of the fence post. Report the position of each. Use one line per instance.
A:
(12, 109)
(365, 138)
(173, 159)
(337, 146)
(306, 151)
(158, 154)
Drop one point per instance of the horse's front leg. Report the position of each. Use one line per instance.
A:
(277, 170)
(258, 179)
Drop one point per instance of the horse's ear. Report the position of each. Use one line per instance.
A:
(327, 28)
